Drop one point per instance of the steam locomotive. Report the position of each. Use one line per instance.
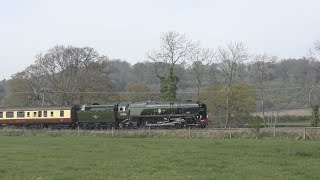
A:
(118, 115)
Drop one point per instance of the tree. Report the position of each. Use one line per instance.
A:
(228, 60)
(144, 72)
(122, 73)
(66, 75)
(174, 50)
(3, 91)
(201, 59)
(138, 92)
(308, 77)
(138, 70)
(314, 119)
(314, 80)
(21, 91)
(315, 51)
(262, 64)
(242, 101)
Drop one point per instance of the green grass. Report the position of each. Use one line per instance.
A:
(94, 157)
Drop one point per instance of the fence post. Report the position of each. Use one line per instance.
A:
(304, 133)
(189, 132)
(230, 135)
(112, 131)
(274, 131)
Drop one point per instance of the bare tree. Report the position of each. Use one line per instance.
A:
(308, 78)
(262, 65)
(174, 49)
(68, 75)
(200, 60)
(228, 60)
(315, 51)
(310, 82)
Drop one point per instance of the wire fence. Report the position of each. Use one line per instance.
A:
(301, 133)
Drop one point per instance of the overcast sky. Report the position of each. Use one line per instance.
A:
(127, 29)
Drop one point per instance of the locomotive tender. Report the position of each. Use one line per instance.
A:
(118, 115)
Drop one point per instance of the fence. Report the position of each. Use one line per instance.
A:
(296, 133)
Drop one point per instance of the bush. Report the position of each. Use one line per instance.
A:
(255, 125)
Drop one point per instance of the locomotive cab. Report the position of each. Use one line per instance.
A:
(203, 116)
(122, 111)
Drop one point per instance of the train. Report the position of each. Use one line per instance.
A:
(128, 115)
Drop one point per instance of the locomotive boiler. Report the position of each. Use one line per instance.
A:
(145, 114)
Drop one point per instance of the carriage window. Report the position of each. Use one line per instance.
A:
(39, 113)
(34, 114)
(1, 114)
(28, 114)
(20, 114)
(45, 113)
(61, 113)
(9, 114)
(121, 109)
(51, 113)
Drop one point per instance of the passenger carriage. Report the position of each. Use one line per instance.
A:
(44, 116)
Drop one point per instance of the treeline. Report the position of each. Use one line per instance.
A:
(132, 80)
(230, 80)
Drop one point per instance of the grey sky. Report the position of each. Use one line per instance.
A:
(126, 29)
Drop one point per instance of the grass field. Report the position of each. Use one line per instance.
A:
(91, 157)
(294, 124)
(289, 112)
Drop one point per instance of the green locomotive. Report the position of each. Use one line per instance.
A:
(143, 114)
